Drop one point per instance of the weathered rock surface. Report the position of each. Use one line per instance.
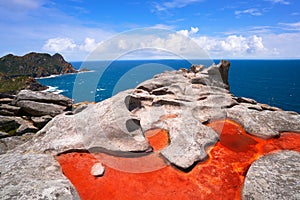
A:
(275, 176)
(43, 97)
(33, 176)
(30, 111)
(33, 108)
(181, 102)
(172, 101)
(9, 143)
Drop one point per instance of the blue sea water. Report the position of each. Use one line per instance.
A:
(274, 82)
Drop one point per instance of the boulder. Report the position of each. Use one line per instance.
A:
(266, 123)
(9, 110)
(43, 97)
(33, 108)
(33, 176)
(40, 122)
(6, 100)
(274, 176)
(9, 125)
(223, 67)
(16, 126)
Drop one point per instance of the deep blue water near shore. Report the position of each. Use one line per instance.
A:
(274, 82)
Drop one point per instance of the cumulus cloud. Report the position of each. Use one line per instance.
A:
(89, 44)
(233, 45)
(251, 11)
(188, 33)
(59, 44)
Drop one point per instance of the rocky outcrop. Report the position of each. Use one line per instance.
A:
(172, 101)
(275, 176)
(27, 113)
(33, 176)
(180, 102)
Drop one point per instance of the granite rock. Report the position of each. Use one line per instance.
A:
(274, 176)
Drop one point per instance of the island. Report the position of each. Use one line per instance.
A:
(19, 72)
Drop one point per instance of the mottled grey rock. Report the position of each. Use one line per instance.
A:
(33, 176)
(274, 176)
(197, 68)
(6, 100)
(33, 108)
(189, 141)
(9, 110)
(106, 125)
(245, 100)
(40, 122)
(267, 107)
(266, 123)
(9, 143)
(3, 147)
(223, 67)
(25, 127)
(9, 125)
(3, 134)
(44, 97)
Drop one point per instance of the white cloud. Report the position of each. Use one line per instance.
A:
(59, 44)
(89, 44)
(188, 33)
(232, 46)
(251, 11)
(173, 4)
(284, 2)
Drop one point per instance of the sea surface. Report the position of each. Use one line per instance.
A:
(273, 82)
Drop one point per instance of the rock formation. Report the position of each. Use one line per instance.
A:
(181, 102)
(26, 113)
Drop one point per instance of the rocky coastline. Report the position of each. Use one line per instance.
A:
(37, 127)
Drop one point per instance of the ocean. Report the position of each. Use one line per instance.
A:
(273, 82)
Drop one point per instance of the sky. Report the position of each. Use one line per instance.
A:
(252, 29)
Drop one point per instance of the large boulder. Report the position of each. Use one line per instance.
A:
(274, 176)
(43, 97)
(33, 176)
(39, 104)
(33, 108)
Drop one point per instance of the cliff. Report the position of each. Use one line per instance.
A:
(17, 72)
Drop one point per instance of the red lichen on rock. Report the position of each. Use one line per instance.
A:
(220, 177)
(157, 138)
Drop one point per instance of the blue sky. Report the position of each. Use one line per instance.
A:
(224, 29)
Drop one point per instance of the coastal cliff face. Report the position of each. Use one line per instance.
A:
(18, 72)
(181, 134)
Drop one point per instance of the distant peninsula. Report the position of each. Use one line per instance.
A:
(19, 72)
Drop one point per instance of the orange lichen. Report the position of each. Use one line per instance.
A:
(157, 138)
(220, 177)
